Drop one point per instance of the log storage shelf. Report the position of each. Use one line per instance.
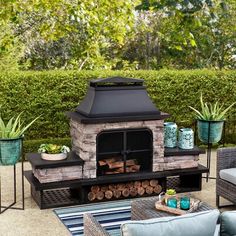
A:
(107, 187)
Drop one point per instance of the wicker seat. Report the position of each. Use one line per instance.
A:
(141, 209)
(226, 158)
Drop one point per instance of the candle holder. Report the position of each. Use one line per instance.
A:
(172, 202)
(185, 203)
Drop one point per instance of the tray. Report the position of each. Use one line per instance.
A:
(194, 205)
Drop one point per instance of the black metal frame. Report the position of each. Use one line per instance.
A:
(11, 205)
(209, 148)
(125, 151)
(56, 194)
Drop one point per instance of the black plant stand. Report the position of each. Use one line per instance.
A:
(209, 149)
(12, 205)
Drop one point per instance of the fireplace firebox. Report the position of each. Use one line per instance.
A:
(124, 151)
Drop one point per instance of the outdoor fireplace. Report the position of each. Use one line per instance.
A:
(117, 129)
(117, 151)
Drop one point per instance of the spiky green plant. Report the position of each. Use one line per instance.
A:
(14, 128)
(213, 112)
(171, 191)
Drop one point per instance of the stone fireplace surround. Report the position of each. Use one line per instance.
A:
(84, 144)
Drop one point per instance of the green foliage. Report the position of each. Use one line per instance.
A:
(14, 127)
(11, 49)
(110, 34)
(211, 111)
(171, 191)
(52, 93)
(53, 148)
(70, 34)
(187, 34)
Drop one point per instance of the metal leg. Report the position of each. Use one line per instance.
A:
(14, 202)
(217, 201)
(208, 160)
(14, 186)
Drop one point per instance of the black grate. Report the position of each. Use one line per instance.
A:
(173, 182)
(54, 198)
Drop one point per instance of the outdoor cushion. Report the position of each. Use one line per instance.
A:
(228, 223)
(194, 224)
(229, 175)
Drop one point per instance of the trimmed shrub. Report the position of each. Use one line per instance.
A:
(52, 93)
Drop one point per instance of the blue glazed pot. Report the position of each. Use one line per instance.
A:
(186, 138)
(211, 130)
(170, 134)
(10, 151)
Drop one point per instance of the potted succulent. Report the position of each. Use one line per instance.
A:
(11, 136)
(170, 193)
(53, 152)
(210, 121)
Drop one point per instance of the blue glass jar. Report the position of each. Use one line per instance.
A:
(185, 203)
(172, 202)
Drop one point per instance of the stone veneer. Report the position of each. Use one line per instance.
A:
(84, 141)
(84, 144)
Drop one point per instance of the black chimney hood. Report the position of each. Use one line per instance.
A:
(116, 99)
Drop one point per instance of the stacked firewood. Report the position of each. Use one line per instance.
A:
(124, 190)
(116, 166)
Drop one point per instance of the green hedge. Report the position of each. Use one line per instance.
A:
(52, 93)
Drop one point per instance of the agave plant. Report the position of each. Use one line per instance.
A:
(213, 112)
(14, 128)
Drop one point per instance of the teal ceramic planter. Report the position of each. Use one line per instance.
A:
(10, 151)
(211, 130)
(170, 134)
(186, 138)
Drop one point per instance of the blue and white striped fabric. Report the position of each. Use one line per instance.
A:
(110, 215)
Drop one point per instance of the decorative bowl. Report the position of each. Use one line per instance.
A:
(54, 157)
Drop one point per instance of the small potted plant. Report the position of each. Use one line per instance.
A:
(210, 121)
(170, 193)
(53, 152)
(11, 136)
